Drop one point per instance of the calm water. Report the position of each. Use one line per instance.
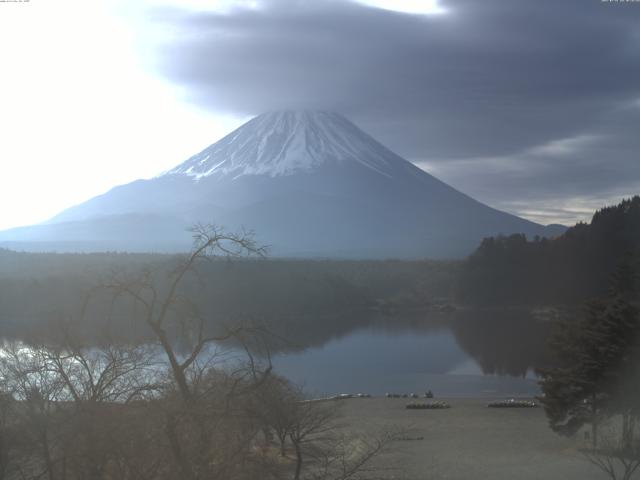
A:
(491, 353)
(471, 354)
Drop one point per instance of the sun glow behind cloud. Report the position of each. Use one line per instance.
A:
(421, 7)
(203, 5)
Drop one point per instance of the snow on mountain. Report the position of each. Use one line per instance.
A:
(308, 183)
(283, 143)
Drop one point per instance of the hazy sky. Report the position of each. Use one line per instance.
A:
(531, 106)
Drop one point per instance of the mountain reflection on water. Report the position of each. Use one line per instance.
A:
(469, 352)
(464, 353)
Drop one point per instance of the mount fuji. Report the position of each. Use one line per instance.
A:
(310, 184)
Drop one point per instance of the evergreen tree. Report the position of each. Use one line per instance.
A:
(597, 374)
(571, 268)
(573, 391)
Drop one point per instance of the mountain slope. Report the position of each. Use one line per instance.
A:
(308, 183)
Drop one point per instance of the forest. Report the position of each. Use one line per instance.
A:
(37, 289)
(569, 269)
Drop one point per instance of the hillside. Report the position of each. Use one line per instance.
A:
(568, 269)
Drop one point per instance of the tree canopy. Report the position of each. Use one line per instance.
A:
(570, 268)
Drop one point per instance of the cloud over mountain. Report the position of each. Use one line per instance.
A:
(495, 79)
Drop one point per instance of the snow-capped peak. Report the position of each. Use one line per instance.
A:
(281, 143)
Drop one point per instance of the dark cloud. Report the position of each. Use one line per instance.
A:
(488, 79)
(562, 180)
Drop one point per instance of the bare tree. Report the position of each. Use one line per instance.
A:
(9, 436)
(196, 412)
(275, 407)
(160, 308)
(40, 395)
(68, 400)
(100, 382)
(311, 427)
(351, 455)
(327, 450)
(616, 456)
(111, 373)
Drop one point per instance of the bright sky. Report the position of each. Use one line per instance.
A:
(78, 112)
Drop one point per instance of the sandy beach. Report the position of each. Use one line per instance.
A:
(470, 441)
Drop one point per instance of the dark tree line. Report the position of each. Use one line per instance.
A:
(571, 268)
(287, 294)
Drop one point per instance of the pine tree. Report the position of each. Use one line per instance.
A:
(597, 356)
(573, 391)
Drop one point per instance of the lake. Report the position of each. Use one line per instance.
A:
(463, 354)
